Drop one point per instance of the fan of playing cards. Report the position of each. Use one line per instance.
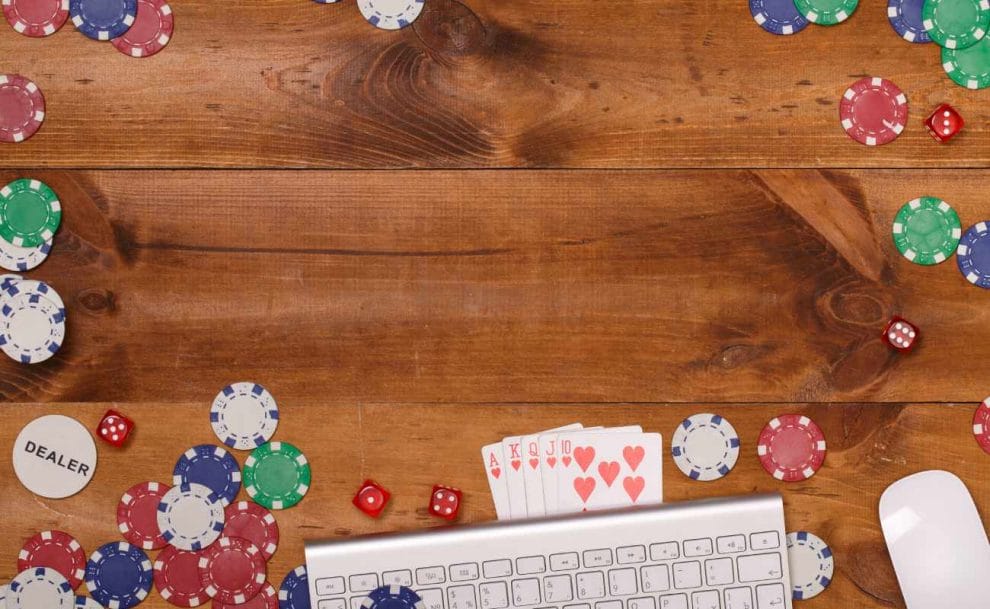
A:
(574, 469)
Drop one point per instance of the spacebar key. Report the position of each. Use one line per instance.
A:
(759, 567)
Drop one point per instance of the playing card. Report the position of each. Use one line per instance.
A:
(513, 456)
(556, 456)
(610, 470)
(532, 471)
(494, 462)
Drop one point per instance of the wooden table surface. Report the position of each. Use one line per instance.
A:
(512, 215)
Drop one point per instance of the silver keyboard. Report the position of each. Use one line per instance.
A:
(715, 554)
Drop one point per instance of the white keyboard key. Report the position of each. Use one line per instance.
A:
(581, 606)
(461, 597)
(622, 582)
(497, 568)
(664, 551)
(325, 586)
(718, 572)
(365, 582)
(331, 603)
(767, 540)
(590, 585)
(656, 578)
(642, 602)
(564, 562)
(428, 576)
(597, 558)
(464, 572)
(608, 605)
(674, 601)
(697, 547)
(432, 598)
(629, 555)
(525, 592)
(494, 595)
(558, 589)
(687, 575)
(731, 544)
(759, 567)
(708, 600)
(739, 598)
(770, 596)
(531, 565)
(397, 578)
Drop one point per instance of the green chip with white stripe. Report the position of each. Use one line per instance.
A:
(926, 230)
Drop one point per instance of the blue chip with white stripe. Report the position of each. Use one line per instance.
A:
(244, 415)
(294, 591)
(119, 575)
(973, 255)
(211, 466)
(779, 17)
(393, 597)
(39, 588)
(705, 447)
(103, 19)
(811, 564)
(905, 18)
(190, 517)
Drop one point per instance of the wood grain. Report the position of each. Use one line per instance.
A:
(483, 83)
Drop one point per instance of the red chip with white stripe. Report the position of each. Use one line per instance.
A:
(233, 570)
(151, 31)
(266, 599)
(791, 448)
(177, 577)
(36, 18)
(873, 111)
(252, 522)
(137, 515)
(981, 425)
(22, 108)
(55, 550)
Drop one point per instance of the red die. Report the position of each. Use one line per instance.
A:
(114, 428)
(900, 334)
(445, 502)
(371, 498)
(944, 122)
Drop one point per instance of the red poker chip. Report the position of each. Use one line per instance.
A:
(981, 425)
(791, 448)
(233, 570)
(137, 515)
(873, 111)
(22, 108)
(266, 599)
(36, 18)
(151, 31)
(253, 522)
(177, 577)
(55, 550)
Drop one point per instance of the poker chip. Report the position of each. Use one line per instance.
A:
(32, 286)
(244, 415)
(118, 575)
(779, 17)
(29, 213)
(137, 515)
(176, 575)
(84, 602)
(267, 598)
(905, 18)
(54, 550)
(32, 328)
(294, 591)
(811, 564)
(14, 258)
(252, 522)
(981, 425)
(791, 448)
(190, 516)
(926, 230)
(705, 447)
(956, 24)
(393, 597)
(390, 14)
(873, 111)
(277, 475)
(36, 18)
(40, 588)
(826, 12)
(233, 570)
(969, 67)
(22, 108)
(211, 466)
(103, 19)
(973, 255)
(151, 31)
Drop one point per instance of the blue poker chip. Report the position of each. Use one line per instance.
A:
(211, 466)
(973, 255)
(294, 591)
(779, 17)
(905, 18)
(705, 447)
(393, 597)
(103, 19)
(119, 575)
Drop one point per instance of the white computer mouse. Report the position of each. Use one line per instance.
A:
(936, 541)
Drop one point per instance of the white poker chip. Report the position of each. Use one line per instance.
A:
(32, 328)
(705, 447)
(54, 456)
(390, 14)
(190, 516)
(244, 415)
(21, 285)
(40, 588)
(16, 258)
(811, 564)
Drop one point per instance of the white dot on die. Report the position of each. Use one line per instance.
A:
(447, 510)
(103, 432)
(439, 495)
(946, 113)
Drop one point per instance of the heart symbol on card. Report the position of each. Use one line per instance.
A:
(584, 456)
(609, 471)
(516, 464)
(496, 472)
(584, 488)
(633, 456)
(551, 461)
(533, 463)
(634, 486)
(565, 460)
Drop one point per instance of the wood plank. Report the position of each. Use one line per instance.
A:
(504, 287)
(404, 447)
(520, 83)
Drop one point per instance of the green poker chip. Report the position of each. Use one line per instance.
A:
(969, 67)
(926, 230)
(276, 475)
(29, 213)
(956, 24)
(826, 12)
